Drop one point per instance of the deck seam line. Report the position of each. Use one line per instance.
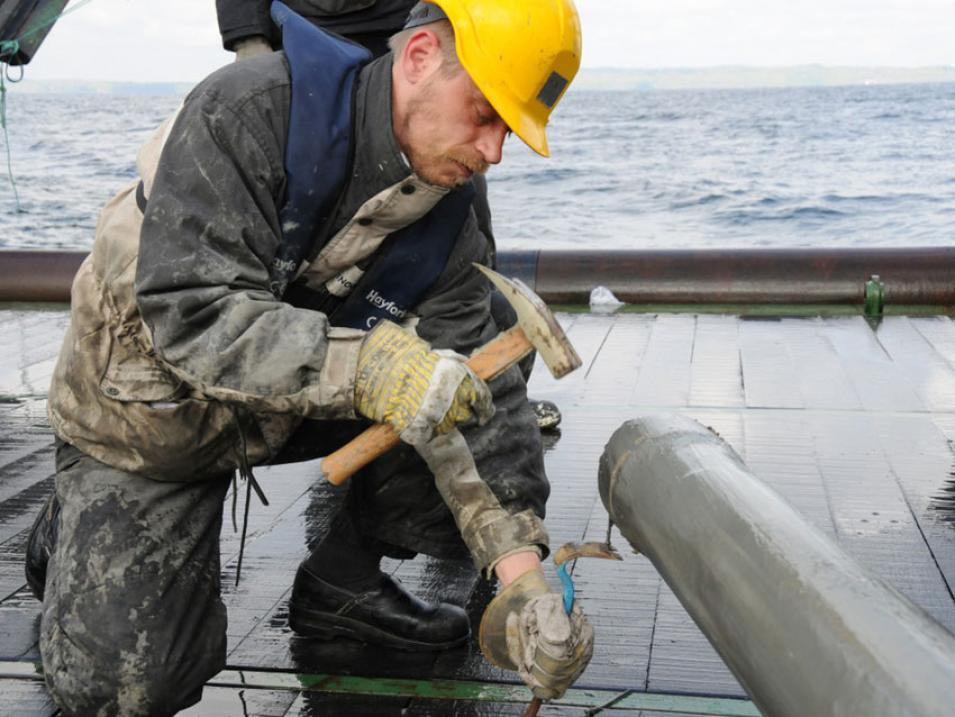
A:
(837, 534)
(872, 325)
(593, 361)
(640, 364)
(653, 633)
(931, 344)
(918, 525)
(696, 326)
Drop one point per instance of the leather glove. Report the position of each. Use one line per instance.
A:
(418, 392)
(525, 629)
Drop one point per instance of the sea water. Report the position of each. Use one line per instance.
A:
(836, 166)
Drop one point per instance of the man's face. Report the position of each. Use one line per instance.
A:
(451, 131)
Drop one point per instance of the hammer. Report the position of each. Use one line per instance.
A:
(536, 328)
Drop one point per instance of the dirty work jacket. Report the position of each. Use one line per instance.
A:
(179, 359)
(239, 19)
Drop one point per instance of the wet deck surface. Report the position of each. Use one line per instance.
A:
(851, 423)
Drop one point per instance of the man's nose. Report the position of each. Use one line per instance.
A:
(491, 142)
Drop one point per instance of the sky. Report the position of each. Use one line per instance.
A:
(178, 40)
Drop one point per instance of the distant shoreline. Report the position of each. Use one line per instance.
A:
(602, 78)
(739, 77)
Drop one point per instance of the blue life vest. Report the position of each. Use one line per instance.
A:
(318, 158)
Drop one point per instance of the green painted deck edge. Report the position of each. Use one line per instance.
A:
(481, 692)
(446, 690)
(761, 309)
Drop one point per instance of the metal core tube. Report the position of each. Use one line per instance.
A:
(805, 629)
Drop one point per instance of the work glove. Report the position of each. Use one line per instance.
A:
(418, 392)
(525, 629)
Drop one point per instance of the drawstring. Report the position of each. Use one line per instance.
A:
(245, 472)
(235, 499)
(245, 522)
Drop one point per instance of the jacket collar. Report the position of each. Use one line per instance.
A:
(379, 162)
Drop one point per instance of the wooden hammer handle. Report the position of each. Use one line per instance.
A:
(489, 361)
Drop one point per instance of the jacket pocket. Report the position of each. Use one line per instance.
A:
(151, 424)
(131, 376)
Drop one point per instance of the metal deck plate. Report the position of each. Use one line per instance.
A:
(850, 422)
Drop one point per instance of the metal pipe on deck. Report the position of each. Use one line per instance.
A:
(911, 276)
(38, 275)
(805, 629)
(744, 276)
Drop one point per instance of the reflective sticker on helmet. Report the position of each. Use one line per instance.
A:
(551, 90)
(424, 13)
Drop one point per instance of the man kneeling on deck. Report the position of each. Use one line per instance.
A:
(295, 261)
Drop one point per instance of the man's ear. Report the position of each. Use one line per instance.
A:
(421, 55)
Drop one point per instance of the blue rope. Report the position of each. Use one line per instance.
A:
(568, 584)
(9, 48)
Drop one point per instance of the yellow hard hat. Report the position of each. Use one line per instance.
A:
(522, 54)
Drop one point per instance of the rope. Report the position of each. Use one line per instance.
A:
(245, 472)
(9, 49)
(4, 70)
(608, 704)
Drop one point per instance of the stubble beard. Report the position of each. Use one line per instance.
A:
(430, 163)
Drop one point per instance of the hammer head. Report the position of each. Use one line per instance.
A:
(538, 324)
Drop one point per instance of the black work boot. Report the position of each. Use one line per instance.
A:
(41, 544)
(382, 613)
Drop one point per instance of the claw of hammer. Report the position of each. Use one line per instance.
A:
(572, 551)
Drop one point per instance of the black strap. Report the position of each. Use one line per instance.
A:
(141, 196)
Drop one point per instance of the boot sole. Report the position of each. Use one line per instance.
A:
(327, 626)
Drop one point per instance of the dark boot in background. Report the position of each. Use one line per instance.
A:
(41, 544)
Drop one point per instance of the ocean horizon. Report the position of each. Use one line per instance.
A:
(858, 165)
